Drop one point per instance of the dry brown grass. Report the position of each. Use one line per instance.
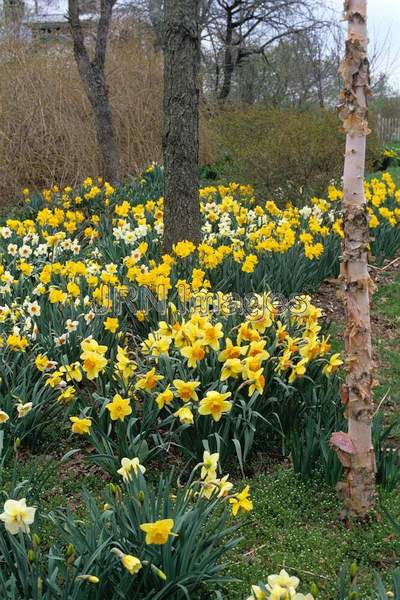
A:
(46, 128)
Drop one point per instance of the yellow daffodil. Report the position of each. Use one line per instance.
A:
(185, 415)
(241, 501)
(111, 324)
(333, 364)
(131, 563)
(164, 398)
(119, 408)
(186, 390)
(194, 353)
(215, 404)
(80, 426)
(231, 368)
(158, 532)
(148, 381)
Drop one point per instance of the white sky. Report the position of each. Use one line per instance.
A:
(384, 32)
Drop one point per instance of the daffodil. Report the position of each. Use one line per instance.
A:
(42, 362)
(90, 345)
(241, 501)
(186, 390)
(24, 409)
(80, 426)
(215, 404)
(17, 516)
(257, 593)
(111, 324)
(194, 353)
(3, 417)
(72, 372)
(185, 415)
(298, 370)
(131, 563)
(119, 408)
(224, 486)
(67, 395)
(164, 398)
(125, 367)
(158, 532)
(93, 363)
(232, 367)
(209, 486)
(148, 381)
(231, 351)
(284, 580)
(332, 365)
(212, 335)
(128, 465)
(209, 465)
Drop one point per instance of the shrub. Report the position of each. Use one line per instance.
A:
(47, 133)
(282, 152)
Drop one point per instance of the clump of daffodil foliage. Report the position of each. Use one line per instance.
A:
(150, 539)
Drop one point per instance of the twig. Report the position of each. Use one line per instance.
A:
(392, 262)
(254, 551)
(382, 401)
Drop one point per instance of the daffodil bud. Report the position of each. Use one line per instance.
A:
(35, 540)
(314, 589)
(17, 443)
(353, 596)
(353, 570)
(40, 585)
(141, 496)
(31, 555)
(158, 572)
(89, 578)
(70, 550)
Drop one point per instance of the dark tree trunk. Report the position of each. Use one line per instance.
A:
(181, 122)
(92, 73)
(97, 92)
(228, 65)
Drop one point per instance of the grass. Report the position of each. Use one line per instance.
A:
(387, 306)
(386, 340)
(295, 525)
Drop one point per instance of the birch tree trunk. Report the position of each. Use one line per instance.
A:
(181, 122)
(355, 448)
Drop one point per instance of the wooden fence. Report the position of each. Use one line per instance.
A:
(388, 129)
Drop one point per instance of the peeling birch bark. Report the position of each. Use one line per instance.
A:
(355, 448)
